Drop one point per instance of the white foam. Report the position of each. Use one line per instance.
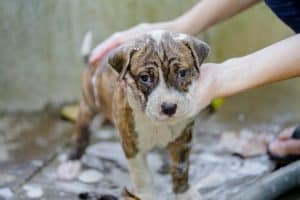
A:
(157, 35)
(180, 36)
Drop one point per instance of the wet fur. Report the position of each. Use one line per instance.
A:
(113, 88)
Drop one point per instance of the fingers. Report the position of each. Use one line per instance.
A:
(116, 40)
(292, 146)
(286, 133)
(287, 147)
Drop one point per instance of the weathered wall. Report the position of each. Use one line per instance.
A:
(40, 41)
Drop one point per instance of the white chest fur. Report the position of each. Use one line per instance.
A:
(152, 134)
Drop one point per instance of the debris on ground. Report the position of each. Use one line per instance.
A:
(70, 112)
(33, 191)
(68, 170)
(90, 176)
(102, 171)
(6, 193)
(245, 143)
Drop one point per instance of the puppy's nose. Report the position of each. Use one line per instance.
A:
(168, 108)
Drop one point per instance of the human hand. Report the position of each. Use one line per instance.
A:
(119, 38)
(203, 91)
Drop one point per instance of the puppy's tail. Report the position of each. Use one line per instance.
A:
(86, 47)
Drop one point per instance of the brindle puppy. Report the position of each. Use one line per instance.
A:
(142, 87)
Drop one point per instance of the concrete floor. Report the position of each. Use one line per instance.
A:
(31, 146)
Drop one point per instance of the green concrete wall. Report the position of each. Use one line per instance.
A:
(40, 41)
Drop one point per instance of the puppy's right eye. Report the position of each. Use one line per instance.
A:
(145, 78)
(182, 73)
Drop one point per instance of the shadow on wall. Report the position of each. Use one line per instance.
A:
(40, 41)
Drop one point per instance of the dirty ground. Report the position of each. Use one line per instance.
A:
(32, 145)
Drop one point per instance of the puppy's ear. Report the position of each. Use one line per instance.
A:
(200, 50)
(120, 60)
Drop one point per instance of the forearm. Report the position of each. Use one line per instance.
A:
(207, 13)
(277, 62)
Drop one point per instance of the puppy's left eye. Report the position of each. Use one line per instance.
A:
(182, 73)
(145, 78)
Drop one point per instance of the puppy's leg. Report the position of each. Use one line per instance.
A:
(80, 139)
(179, 152)
(138, 168)
(137, 164)
(141, 177)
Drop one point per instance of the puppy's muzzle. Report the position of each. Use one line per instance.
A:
(168, 109)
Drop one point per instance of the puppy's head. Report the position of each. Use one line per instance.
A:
(159, 69)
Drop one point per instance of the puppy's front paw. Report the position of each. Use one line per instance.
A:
(191, 194)
(68, 170)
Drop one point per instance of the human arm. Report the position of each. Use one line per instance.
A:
(208, 13)
(276, 62)
(202, 16)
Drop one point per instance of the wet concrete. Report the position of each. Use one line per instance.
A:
(28, 142)
(32, 146)
(211, 168)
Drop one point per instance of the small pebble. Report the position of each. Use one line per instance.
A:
(33, 191)
(37, 163)
(108, 197)
(6, 193)
(93, 162)
(83, 195)
(73, 187)
(90, 176)
(69, 170)
(94, 196)
(110, 151)
(63, 157)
